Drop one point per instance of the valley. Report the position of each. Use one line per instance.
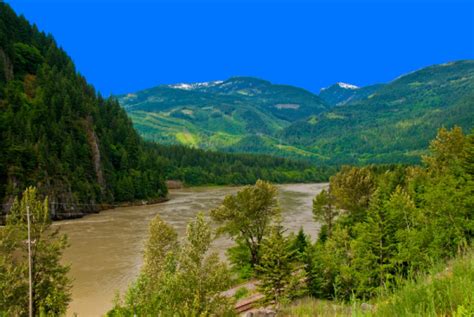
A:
(355, 199)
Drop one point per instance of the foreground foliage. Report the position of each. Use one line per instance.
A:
(51, 286)
(178, 278)
(442, 293)
(394, 224)
(445, 291)
(246, 217)
(384, 227)
(278, 273)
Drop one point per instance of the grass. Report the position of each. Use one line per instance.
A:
(187, 138)
(334, 116)
(446, 291)
(308, 307)
(241, 293)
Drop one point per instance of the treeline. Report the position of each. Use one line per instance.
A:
(202, 167)
(80, 150)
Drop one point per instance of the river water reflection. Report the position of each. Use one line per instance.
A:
(105, 252)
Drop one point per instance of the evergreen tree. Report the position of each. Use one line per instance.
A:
(279, 277)
(300, 243)
(373, 250)
(330, 273)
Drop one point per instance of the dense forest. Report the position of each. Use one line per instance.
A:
(57, 133)
(80, 149)
(202, 167)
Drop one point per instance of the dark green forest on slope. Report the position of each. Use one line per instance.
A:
(80, 149)
(58, 133)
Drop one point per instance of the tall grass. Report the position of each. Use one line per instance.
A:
(446, 291)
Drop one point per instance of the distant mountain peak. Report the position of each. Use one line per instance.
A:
(340, 85)
(347, 86)
(191, 86)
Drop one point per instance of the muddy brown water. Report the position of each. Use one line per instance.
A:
(105, 250)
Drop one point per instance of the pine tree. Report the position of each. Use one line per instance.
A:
(300, 243)
(373, 249)
(279, 278)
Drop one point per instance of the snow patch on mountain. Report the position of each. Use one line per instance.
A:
(342, 85)
(191, 86)
(347, 86)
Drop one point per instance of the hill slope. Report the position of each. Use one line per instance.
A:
(395, 122)
(346, 124)
(340, 93)
(57, 134)
(224, 115)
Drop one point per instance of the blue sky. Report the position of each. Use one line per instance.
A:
(124, 46)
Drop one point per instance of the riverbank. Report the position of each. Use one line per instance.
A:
(78, 211)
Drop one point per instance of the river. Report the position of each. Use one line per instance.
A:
(105, 250)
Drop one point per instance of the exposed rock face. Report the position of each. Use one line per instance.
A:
(94, 145)
(7, 66)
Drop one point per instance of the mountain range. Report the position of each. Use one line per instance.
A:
(381, 123)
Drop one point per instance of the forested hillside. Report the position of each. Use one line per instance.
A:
(57, 133)
(80, 149)
(340, 93)
(241, 114)
(396, 122)
(382, 123)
